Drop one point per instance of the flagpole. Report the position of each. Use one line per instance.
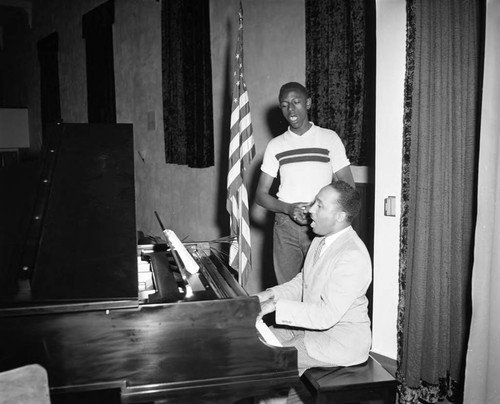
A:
(240, 250)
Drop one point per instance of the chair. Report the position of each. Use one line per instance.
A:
(25, 385)
(365, 383)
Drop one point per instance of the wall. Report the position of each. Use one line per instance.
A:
(391, 31)
(191, 201)
(14, 131)
(483, 353)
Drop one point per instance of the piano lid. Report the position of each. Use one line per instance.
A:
(81, 244)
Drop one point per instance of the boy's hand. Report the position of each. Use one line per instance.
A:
(299, 212)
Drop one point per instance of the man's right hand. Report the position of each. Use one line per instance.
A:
(265, 295)
(266, 307)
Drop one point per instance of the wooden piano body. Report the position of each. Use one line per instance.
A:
(72, 303)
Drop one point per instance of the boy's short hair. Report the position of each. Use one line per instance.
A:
(292, 85)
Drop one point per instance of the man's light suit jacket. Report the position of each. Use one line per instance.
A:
(328, 301)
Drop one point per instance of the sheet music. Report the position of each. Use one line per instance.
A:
(266, 333)
(188, 261)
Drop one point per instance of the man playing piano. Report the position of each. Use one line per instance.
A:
(323, 311)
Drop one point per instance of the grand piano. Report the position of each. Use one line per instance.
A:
(114, 320)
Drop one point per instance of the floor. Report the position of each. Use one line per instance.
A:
(390, 365)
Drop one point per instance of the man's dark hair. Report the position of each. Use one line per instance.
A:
(292, 85)
(349, 199)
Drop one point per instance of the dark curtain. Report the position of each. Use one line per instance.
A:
(438, 197)
(98, 34)
(187, 83)
(48, 48)
(340, 72)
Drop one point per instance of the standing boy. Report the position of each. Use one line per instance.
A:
(307, 158)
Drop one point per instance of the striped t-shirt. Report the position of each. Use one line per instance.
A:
(305, 163)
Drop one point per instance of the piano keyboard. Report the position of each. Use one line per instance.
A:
(266, 333)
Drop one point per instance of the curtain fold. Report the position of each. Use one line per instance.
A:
(340, 72)
(48, 48)
(97, 27)
(439, 173)
(187, 83)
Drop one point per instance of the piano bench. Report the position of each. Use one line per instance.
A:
(365, 383)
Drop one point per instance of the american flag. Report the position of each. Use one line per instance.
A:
(241, 153)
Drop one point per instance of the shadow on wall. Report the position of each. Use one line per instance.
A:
(277, 125)
(275, 121)
(225, 123)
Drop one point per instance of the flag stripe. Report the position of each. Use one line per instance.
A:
(243, 105)
(241, 153)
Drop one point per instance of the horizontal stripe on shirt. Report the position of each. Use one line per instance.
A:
(301, 159)
(307, 150)
(303, 155)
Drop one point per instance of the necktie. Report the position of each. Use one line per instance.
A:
(317, 253)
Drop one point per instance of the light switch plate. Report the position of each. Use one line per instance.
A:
(390, 206)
